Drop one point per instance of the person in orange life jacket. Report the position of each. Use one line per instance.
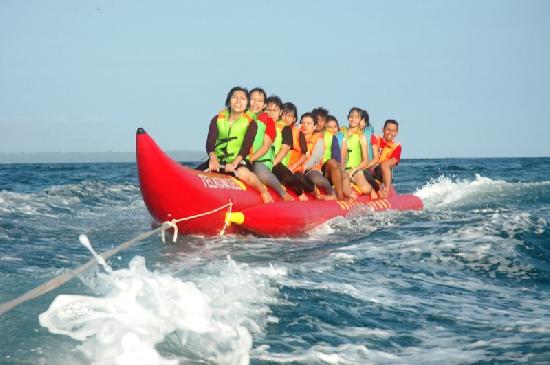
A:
(283, 145)
(309, 172)
(355, 151)
(372, 146)
(230, 137)
(261, 156)
(390, 155)
(333, 127)
(331, 167)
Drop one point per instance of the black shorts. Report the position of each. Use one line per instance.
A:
(374, 177)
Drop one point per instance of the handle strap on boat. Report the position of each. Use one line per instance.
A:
(173, 223)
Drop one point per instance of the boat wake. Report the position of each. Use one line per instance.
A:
(448, 192)
(145, 317)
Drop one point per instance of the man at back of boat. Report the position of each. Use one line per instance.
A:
(230, 138)
(389, 157)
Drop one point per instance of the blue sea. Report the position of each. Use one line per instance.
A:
(465, 281)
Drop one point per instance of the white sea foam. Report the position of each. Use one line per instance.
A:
(448, 192)
(325, 354)
(210, 319)
(65, 198)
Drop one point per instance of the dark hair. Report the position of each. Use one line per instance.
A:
(358, 110)
(259, 90)
(309, 115)
(233, 91)
(332, 117)
(391, 121)
(274, 99)
(366, 117)
(290, 107)
(319, 112)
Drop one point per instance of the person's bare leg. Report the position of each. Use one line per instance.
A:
(250, 178)
(334, 174)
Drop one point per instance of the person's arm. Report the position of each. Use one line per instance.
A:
(262, 150)
(376, 154)
(316, 155)
(303, 148)
(213, 163)
(248, 140)
(269, 137)
(245, 147)
(344, 151)
(286, 145)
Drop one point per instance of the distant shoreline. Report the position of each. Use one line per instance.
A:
(90, 157)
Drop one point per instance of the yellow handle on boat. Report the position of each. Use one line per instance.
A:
(234, 217)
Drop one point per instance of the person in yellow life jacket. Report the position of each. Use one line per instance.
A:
(390, 155)
(331, 166)
(309, 172)
(333, 127)
(282, 147)
(355, 152)
(230, 138)
(261, 155)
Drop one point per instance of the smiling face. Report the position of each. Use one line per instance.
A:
(354, 118)
(273, 111)
(390, 131)
(238, 102)
(257, 102)
(307, 125)
(289, 118)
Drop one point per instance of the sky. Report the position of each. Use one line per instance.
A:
(464, 78)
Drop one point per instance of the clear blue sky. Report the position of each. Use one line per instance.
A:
(463, 78)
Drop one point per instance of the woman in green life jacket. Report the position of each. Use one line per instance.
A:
(262, 153)
(230, 138)
(355, 151)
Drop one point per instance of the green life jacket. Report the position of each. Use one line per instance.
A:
(354, 151)
(230, 138)
(328, 146)
(279, 126)
(267, 157)
(369, 131)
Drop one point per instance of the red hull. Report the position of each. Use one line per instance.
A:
(172, 191)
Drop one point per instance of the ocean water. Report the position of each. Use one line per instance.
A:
(465, 281)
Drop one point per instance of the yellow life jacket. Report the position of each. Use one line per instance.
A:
(230, 136)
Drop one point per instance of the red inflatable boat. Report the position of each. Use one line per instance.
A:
(172, 191)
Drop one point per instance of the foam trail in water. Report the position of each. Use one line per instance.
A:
(144, 317)
(446, 191)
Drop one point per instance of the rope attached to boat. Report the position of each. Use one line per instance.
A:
(65, 277)
(173, 223)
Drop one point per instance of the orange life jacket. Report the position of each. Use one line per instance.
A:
(310, 142)
(387, 150)
(295, 152)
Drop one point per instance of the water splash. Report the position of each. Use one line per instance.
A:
(445, 191)
(144, 317)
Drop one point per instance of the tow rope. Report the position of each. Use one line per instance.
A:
(65, 277)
